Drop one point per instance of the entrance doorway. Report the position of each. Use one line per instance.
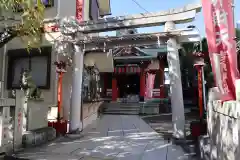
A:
(128, 84)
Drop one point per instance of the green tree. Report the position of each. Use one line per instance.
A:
(187, 62)
(32, 15)
(238, 41)
(238, 33)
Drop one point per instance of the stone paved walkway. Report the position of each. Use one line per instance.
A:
(113, 137)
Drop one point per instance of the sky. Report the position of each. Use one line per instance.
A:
(126, 7)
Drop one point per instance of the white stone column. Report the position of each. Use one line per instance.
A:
(76, 94)
(178, 117)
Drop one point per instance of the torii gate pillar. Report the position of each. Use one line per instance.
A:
(76, 94)
(178, 117)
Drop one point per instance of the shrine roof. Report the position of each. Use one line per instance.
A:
(140, 53)
(154, 51)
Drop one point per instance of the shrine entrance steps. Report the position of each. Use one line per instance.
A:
(121, 108)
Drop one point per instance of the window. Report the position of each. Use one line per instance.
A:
(38, 63)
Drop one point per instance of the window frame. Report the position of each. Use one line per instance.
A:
(22, 53)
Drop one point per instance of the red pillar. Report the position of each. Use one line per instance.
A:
(142, 83)
(200, 91)
(161, 71)
(114, 89)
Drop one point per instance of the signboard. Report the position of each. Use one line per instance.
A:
(220, 32)
(127, 69)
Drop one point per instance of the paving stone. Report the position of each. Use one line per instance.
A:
(95, 158)
(128, 156)
(113, 137)
(48, 156)
(100, 152)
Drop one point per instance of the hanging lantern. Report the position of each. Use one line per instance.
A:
(198, 55)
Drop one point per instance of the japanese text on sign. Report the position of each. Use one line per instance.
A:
(220, 21)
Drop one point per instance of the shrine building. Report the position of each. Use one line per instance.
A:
(128, 72)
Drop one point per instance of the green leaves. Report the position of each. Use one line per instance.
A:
(238, 33)
(32, 16)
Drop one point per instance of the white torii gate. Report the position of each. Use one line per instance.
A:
(171, 36)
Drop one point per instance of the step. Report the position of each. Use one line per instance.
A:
(121, 109)
(121, 113)
(121, 105)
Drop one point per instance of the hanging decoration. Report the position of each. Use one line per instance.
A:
(149, 85)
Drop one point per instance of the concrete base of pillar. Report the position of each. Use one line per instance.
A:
(38, 136)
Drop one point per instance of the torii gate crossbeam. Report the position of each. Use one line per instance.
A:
(95, 43)
(180, 15)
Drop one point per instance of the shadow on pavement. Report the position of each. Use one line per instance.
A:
(162, 124)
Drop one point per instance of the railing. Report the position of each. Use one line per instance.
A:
(11, 124)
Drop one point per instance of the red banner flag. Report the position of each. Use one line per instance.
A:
(220, 32)
(79, 10)
(149, 85)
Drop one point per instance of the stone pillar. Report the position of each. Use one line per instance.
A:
(161, 74)
(76, 95)
(114, 88)
(178, 117)
(142, 83)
